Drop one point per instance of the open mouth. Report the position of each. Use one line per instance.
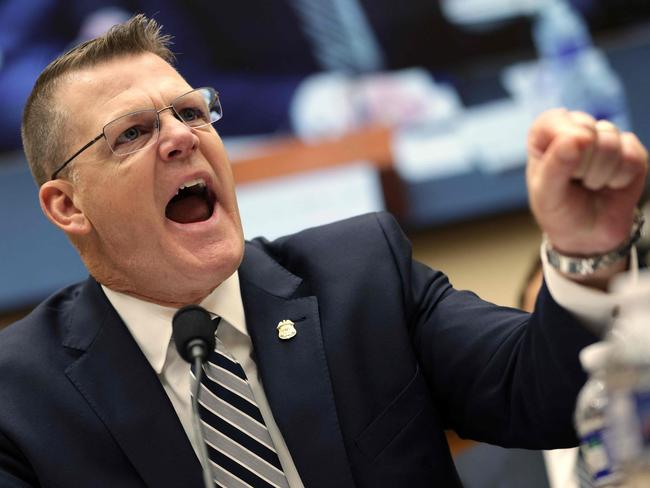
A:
(193, 202)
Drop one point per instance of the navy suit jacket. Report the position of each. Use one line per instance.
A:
(387, 355)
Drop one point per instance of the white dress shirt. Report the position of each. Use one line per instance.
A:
(151, 327)
(595, 308)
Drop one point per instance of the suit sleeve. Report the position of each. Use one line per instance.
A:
(15, 471)
(497, 374)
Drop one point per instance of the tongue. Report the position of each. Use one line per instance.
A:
(191, 208)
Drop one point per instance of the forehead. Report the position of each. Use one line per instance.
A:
(96, 95)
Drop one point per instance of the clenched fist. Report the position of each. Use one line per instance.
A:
(584, 178)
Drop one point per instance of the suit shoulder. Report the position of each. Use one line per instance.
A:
(354, 244)
(356, 232)
(31, 333)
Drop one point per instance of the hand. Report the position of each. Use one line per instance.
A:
(584, 178)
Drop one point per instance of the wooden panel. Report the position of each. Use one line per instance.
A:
(288, 156)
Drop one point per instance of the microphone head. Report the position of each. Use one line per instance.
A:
(193, 326)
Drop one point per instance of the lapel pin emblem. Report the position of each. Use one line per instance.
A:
(286, 329)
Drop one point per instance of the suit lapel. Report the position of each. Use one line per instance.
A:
(120, 386)
(294, 372)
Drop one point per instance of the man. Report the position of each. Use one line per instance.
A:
(386, 354)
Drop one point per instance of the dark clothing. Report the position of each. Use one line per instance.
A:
(386, 357)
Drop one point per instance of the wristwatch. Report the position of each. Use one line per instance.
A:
(586, 265)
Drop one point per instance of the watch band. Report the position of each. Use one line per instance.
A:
(586, 265)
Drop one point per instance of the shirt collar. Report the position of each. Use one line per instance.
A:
(151, 324)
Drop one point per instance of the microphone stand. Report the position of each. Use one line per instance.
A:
(196, 424)
(194, 335)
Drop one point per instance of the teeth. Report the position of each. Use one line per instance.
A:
(191, 183)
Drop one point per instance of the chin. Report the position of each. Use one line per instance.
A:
(209, 267)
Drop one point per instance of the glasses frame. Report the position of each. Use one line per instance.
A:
(217, 102)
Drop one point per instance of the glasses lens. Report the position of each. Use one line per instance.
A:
(132, 132)
(199, 107)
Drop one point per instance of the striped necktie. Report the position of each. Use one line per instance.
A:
(239, 446)
(340, 35)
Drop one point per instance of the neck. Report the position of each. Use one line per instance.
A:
(174, 300)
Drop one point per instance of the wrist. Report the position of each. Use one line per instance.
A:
(595, 266)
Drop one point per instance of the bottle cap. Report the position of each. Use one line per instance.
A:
(594, 356)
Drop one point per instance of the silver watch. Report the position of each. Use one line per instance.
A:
(586, 265)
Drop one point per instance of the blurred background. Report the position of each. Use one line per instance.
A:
(338, 107)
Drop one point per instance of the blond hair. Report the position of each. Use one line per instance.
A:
(43, 124)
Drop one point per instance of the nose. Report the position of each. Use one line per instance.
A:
(177, 140)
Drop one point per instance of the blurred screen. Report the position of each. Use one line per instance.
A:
(474, 65)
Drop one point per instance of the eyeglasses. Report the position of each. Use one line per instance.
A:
(138, 130)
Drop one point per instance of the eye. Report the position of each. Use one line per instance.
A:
(191, 115)
(129, 135)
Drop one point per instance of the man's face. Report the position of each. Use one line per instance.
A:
(141, 240)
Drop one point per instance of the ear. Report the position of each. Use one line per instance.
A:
(57, 201)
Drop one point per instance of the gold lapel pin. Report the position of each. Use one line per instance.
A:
(286, 329)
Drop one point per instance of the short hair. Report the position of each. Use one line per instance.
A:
(43, 124)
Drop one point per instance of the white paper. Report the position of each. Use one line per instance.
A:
(284, 205)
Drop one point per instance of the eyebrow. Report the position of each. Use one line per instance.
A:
(116, 115)
(134, 104)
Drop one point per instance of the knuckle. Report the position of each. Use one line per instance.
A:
(609, 143)
(582, 118)
(606, 125)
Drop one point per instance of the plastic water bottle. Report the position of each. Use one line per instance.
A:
(628, 383)
(573, 73)
(591, 417)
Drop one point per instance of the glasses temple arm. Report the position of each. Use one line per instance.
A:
(62, 167)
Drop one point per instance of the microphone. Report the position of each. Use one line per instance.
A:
(194, 334)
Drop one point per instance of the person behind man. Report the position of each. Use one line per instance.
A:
(381, 354)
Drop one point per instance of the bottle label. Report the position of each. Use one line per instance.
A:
(628, 426)
(595, 454)
(642, 408)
